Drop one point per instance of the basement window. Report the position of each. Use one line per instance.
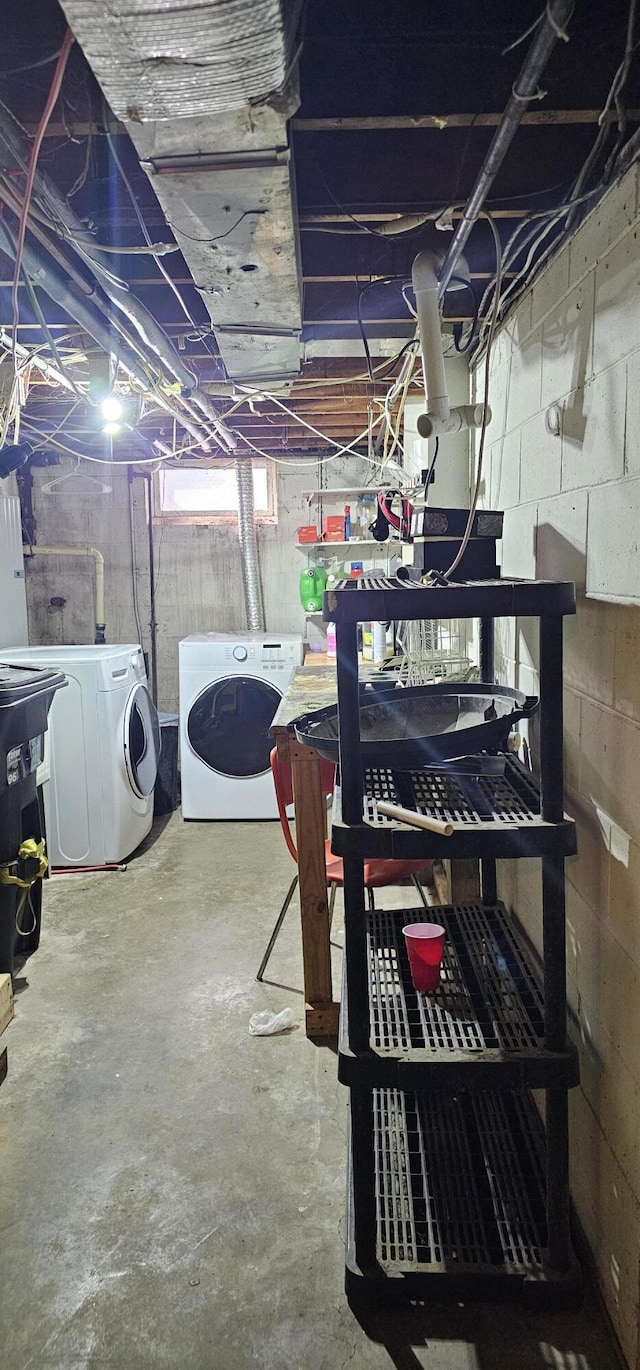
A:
(190, 494)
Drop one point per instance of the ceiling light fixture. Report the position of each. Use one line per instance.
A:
(112, 408)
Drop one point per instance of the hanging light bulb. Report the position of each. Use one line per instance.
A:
(112, 408)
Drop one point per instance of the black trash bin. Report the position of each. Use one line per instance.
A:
(25, 698)
(166, 795)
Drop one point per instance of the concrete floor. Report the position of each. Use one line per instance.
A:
(172, 1189)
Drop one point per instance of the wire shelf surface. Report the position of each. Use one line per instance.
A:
(488, 1012)
(381, 597)
(459, 1182)
(481, 809)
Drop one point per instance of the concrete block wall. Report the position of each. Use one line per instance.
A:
(563, 460)
(197, 567)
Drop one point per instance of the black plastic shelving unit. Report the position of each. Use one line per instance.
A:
(455, 1187)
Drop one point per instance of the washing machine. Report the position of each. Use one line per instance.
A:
(104, 747)
(230, 688)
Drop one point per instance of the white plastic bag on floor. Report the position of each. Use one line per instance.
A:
(266, 1024)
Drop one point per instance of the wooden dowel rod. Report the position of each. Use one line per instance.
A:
(416, 820)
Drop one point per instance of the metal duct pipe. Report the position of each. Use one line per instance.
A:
(249, 545)
(149, 330)
(67, 295)
(551, 28)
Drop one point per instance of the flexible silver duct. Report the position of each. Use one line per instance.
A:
(249, 545)
(205, 89)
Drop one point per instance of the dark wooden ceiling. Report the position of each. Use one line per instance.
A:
(399, 101)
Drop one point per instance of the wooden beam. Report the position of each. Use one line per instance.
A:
(374, 319)
(81, 128)
(439, 122)
(387, 217)
(363, 279)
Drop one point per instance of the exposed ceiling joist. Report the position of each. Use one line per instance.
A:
(440, 122)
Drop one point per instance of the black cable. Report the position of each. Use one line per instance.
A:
(431, 470)
(380, 280)
(457, 328)
(386, 371)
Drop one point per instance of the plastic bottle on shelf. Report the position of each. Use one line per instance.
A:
(379, 636)
(331, 639)
(335, 573)
(365, 515)
(347, 522)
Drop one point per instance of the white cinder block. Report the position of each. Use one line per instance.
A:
(527, 680)
(498, 396)
(593, 429)
(566, 343)
(627, 655)
(505, 637)
(610, 1215)
(561, 542)
(572, 716)
(551, 286)
(519, 325)
(528, 642)
(613, 563)
(525, 381)
(632, 426)
(519, 542)
(588, 872)
(503, 479)
(540, 460)
(513, 333)
(610, 766)
(589, 645)
(616, 212)
(617, 303)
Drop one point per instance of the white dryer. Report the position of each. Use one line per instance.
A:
(104, 751)
(230, 688)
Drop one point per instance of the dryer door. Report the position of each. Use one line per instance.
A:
(141, 741)
(228, 725)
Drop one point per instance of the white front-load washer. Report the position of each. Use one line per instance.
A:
(103, 756)
(230, 687)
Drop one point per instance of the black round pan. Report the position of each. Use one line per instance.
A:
(408, 728)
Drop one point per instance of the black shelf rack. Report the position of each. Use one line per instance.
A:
(482, 1029)
(455, 1188)
(492, 816)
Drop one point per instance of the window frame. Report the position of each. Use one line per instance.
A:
(212, 517)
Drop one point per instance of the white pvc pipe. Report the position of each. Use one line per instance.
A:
(426, 288)
(30, 549)
(462, 416)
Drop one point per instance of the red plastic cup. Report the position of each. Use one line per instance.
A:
(425, 945)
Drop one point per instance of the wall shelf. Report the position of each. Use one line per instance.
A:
(353, 542)
(341, 495)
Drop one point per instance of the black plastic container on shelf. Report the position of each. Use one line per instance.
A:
(25, 699)
(166, 794)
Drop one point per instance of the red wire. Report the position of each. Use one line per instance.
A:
(54, 91)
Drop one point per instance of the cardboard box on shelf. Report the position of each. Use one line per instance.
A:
(333, 528)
